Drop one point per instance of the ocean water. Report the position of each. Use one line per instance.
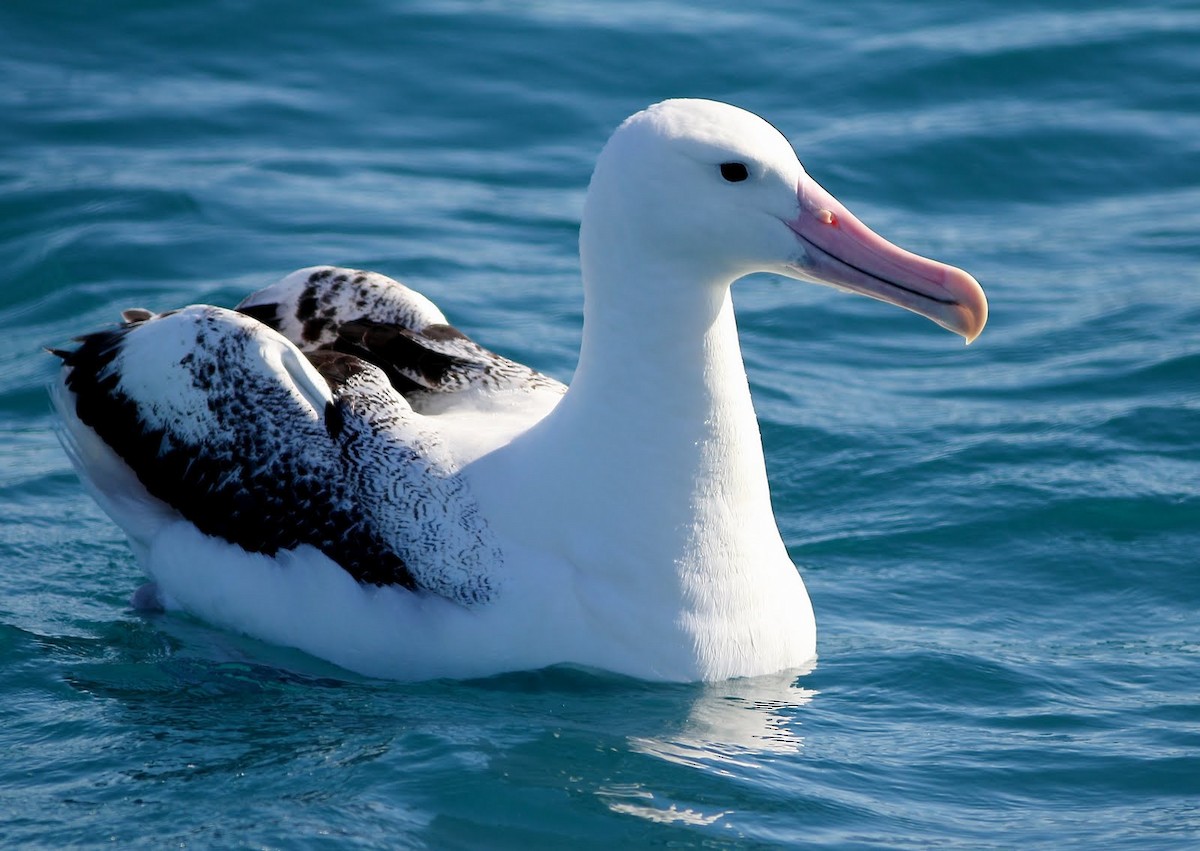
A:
(1001, 542)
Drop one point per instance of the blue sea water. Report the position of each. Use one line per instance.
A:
(1001, 542)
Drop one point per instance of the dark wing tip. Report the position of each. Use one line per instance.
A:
(337, 367)
(93, 341)
(133, 315)
(441, 332)
(267, 314)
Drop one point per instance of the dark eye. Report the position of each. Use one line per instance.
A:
(734, 172)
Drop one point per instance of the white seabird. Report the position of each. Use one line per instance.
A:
(335, 468)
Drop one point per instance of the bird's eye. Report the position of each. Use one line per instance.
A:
(734, 172)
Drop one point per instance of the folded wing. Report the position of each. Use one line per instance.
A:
(371, 316)
(230, 425)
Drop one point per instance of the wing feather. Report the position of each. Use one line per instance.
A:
(390, 325)
(228, 423)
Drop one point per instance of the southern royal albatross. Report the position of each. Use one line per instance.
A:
(333, 467)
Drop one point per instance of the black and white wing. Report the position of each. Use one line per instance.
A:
(371, 316)
(230, 425)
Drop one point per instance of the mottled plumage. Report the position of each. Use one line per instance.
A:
(369, 485)
(243, 438)
(369, 315)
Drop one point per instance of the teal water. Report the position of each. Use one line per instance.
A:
(1001, 542)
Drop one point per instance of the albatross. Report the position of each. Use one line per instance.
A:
(333, 467)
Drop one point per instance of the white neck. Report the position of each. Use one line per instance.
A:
(657, 433)
(661, 381)
(648, 483)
